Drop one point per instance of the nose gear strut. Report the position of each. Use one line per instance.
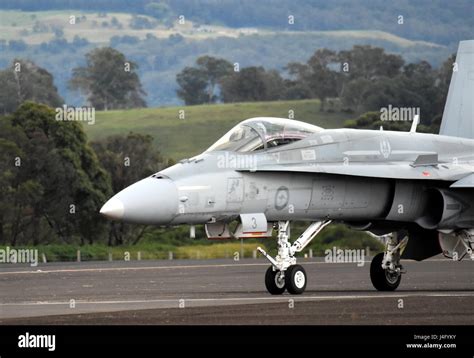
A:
(284, 268)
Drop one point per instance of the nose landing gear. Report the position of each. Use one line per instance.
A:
(284, 273)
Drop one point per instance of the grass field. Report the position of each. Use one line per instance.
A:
(146, 251)
(204, 124)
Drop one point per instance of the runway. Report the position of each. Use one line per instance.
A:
(437, 291)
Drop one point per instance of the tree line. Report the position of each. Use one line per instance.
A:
(53, 181)
(160, 59)
(361, 79)
(107, 81)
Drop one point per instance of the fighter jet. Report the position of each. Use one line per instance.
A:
(414, 190)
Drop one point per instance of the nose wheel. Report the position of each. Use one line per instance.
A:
(295, 279)
(275, 281)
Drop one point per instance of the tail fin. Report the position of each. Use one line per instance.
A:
(458, 115)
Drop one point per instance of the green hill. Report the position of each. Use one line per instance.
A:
(203, 125)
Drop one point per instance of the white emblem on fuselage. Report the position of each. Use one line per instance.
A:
(385, 148)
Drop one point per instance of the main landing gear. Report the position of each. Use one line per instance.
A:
(284, 273)
(385, 268)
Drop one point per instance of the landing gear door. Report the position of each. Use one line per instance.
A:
(253, 225)
(217, 230)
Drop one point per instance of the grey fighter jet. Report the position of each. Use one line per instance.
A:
(415, 190)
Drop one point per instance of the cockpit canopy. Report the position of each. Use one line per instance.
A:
(263, 133)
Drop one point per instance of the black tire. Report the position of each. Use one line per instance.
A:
(295, 278)
(381, 279)
(273, 283)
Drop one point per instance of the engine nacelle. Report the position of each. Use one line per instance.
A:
(440, 209)
(431, 208)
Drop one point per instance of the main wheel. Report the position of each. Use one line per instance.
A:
(274, 281)
(295, 278)
(382, 279)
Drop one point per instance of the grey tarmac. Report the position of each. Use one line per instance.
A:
(435, 291)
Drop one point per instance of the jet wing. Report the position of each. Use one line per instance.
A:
(395, 170)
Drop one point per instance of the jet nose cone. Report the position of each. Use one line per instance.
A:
(149, 201)
(113, 209)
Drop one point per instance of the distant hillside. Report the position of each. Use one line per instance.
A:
(252, 33)
(35, 28)
(162, 51)
(429, 20)
(203, 125)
